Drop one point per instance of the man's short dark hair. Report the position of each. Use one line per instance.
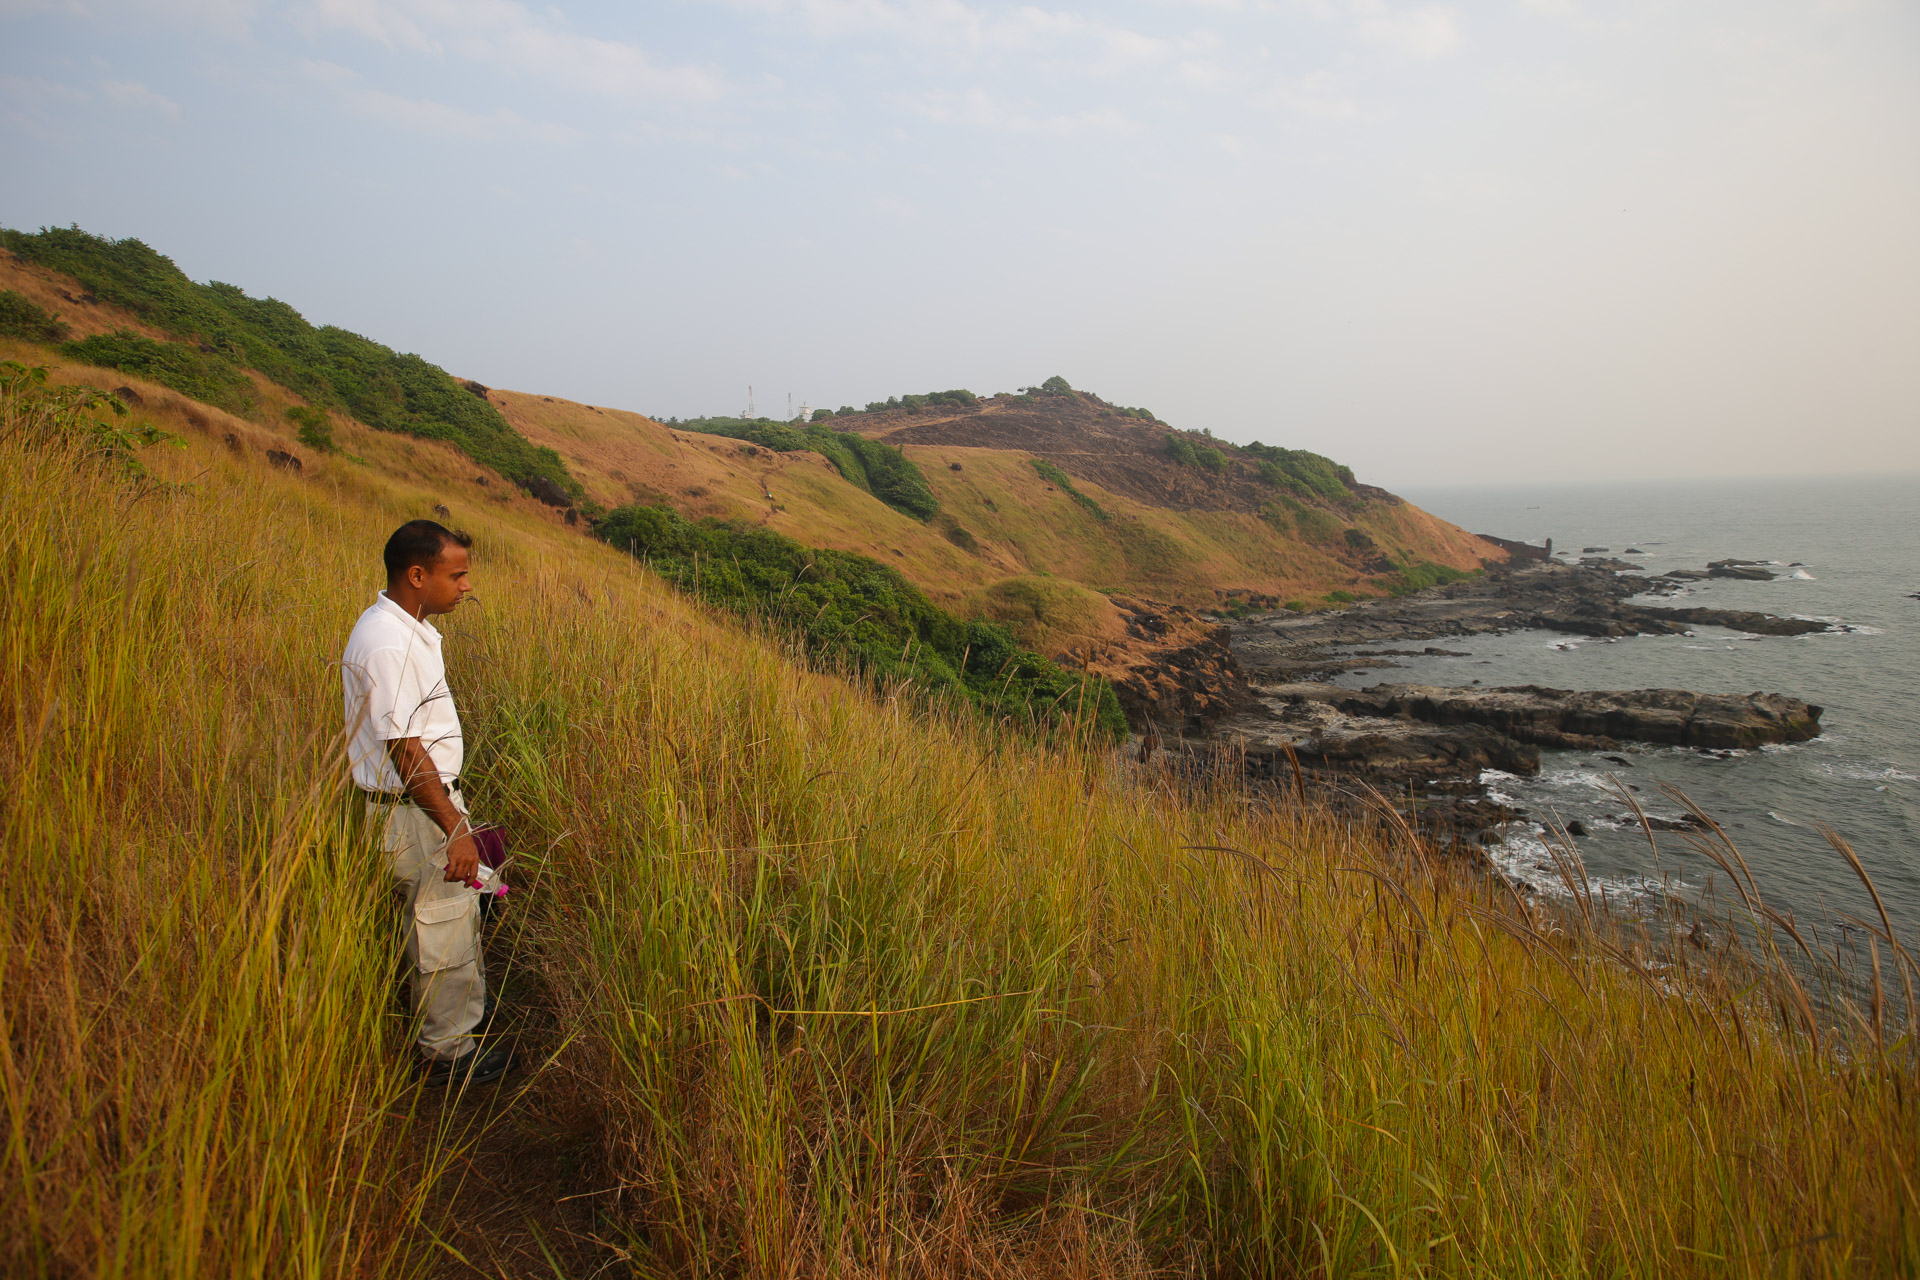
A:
(420, 542)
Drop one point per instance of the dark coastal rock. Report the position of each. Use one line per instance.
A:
(1588, 551)
(1685, 822)
(1423, 750)
(1533, 594)
(1400, 732)
(282, 459)
(1518, 551)
(127, 395)
(1176, 676)
(1585, 720)
(1326, 738)
(1652, 620)
(548, 492)
(1734, 569)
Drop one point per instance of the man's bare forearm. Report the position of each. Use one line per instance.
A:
(420, 778)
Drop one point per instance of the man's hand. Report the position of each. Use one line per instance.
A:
(422, 781)
(463, 858)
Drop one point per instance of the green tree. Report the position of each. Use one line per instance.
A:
(22, 317)
(315, 428)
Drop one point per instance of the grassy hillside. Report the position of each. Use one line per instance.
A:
(962, 495)
(206, 339)
(999, 517)
(808, 980)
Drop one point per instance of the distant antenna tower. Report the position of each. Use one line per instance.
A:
(789, 406)
(749, 412)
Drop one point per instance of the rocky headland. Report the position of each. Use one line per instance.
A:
(1427, 746)
(1544, 595)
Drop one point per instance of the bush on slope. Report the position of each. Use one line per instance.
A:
(854, 610)
(881, 469)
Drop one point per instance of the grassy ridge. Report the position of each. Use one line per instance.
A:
(879, 468)
(844, 986)
(219, 331)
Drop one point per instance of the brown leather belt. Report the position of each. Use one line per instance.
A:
(389, 797)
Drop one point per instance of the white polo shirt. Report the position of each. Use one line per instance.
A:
(396, 687)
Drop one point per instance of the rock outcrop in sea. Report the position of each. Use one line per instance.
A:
(1429, 745)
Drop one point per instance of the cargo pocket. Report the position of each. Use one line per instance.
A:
(444, 932)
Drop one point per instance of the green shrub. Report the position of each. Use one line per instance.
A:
(218, 330)
(1423, 574)
(958, 398)
(1359, 539)
(209, 377)
(1058, 385)
(890, 475)
(1055, 476)
(958, 535)
(76, 418)
(767, 434)
(1311, 524)
(22, 317)
(879, 468)
(1186, 453)
(820, 415)
(1341, 597)
(315, 428)
(1303, 472)
(853, 609)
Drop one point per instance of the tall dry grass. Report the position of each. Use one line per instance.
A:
(850, 988)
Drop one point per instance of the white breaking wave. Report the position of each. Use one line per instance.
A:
(1876, 771)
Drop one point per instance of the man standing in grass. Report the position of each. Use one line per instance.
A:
(406, 748)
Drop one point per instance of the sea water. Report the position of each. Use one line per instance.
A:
(1845, 550)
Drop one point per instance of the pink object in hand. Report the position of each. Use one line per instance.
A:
(491, 842)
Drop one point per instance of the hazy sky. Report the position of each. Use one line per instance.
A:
(1527, 239)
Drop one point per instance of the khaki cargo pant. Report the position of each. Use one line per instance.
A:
(449, 985)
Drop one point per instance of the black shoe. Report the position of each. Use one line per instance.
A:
(475, 1066)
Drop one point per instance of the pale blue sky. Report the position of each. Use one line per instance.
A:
(1529, 239)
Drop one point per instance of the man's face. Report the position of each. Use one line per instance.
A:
(442, 586)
